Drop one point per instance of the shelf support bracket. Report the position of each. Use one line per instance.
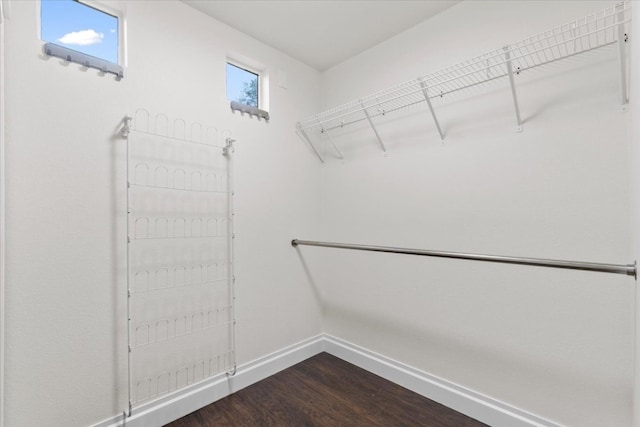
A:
(303, 136)
(507, 56)
(325, 132)
(366, 113)
(425, 92)
(622, 59)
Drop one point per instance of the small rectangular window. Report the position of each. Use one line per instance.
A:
(80, 33)
(243, 85)
(244, 91)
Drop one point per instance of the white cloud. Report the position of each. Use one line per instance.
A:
(82, 38)
(112, 30)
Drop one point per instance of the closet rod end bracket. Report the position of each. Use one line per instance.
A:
(294, 243)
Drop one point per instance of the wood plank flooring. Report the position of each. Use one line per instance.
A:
(325, 391)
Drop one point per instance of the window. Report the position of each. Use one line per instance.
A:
(242, 85)
(81, 33)
(244, 90)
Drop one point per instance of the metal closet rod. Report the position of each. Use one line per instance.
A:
(626, 269)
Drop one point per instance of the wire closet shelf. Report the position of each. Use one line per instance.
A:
(603, 28)
(180, 278)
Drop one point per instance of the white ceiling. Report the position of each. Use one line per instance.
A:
(321, 33)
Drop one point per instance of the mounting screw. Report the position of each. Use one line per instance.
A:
(518, 70)
(626, 37)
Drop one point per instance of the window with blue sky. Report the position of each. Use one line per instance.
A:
(77, 26)
(242, 85)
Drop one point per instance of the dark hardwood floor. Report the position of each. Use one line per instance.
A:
(325, 391)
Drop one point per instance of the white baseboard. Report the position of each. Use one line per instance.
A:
(176, 405)
(461, 399)
(473, 404)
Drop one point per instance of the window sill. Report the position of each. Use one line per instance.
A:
(89, 61)
(252, 111)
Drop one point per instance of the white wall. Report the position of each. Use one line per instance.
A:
(634, 191)
(65, 313)
(556, 343)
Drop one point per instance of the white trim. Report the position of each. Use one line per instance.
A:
(179, 404)
(4, 15)
(473, 404)
(119, 10)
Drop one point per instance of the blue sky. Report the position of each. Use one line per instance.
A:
(236, 78)
(79, 27)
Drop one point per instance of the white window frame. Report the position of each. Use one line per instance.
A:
(114, 8)
(252, 71)
(263, 86)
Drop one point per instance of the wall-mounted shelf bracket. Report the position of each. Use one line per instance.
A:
(228, 146)
(126, 126)
(303, 136)
(366, 113)
(623, 38)
(507, 57)
(325, 132)
(425, 91)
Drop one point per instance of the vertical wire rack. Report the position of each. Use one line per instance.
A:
(180, 258)
(606, 27)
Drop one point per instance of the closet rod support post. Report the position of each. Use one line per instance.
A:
(512, 83)
(425, 92)
(366, 113)
(622, 59)
(303, 135)
(326, 132)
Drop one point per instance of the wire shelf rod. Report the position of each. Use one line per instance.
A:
(418, 89)
(178, 237)
(176, 139)
(166, 288)
(303, 136)
(187, 334)
(170, 378)
(626, 269)
(335, 148)
(567, 56)
(604, 43)
(419, 101)
(470, 70)
(177, 189)
(442, 94)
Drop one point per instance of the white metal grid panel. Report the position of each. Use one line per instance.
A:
(179, 257)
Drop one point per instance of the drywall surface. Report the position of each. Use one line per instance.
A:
(634, 191)
(555, 343)
(66, 290)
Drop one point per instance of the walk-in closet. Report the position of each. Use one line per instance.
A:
(320, 213)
